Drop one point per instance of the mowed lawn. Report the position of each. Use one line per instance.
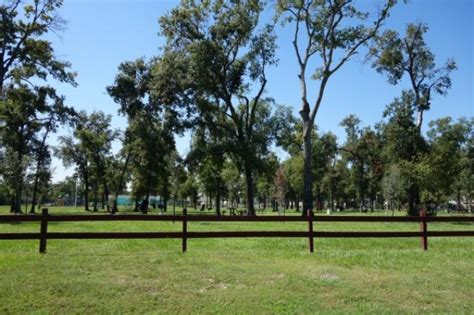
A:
(244, 276)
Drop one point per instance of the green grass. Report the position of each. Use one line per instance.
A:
(256, 276)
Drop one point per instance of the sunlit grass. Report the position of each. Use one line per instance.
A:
(236, 275)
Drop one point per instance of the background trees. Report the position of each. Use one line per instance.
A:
(209, 80)
(27, 107)
(410, 55)
(89, 150)
(225, 51)
(334, 31)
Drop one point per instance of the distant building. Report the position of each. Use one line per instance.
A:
(126, 200)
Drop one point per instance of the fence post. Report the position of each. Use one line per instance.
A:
(423, 228)
(185, 229)
(43, 230)
(310, 230)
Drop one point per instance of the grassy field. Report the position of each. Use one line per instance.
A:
(256, 276)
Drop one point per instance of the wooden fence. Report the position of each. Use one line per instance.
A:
(43, 236)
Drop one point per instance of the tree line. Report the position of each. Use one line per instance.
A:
(210, 79)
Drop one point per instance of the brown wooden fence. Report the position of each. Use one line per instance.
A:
(184, 235)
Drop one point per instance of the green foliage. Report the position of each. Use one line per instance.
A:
(334, 31)
(225, 51)
(25, 54)
(27, 116)
(410, 55)
(401, 138)
(443, 165)
(89, 150)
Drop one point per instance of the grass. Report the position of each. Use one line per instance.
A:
(258, 276)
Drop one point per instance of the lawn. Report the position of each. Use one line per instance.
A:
(257, 276)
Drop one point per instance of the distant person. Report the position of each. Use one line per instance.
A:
(144, 206)
(160, 206)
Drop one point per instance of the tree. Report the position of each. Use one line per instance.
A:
(225, 53)
(178, 178)
(403, 144)
(24, 54)
(410, 55)
(464, 184)
(281, 188)
(394, 186)
(56, 114)
(74, 153)
(334, 30)
(156, 109)
(363, 150)
(22, 116)
(324, 150)
(190, 189)
(442, 165)
(293, 173)
(119, 173)
(207, 157)
(67, 189)
(25, 61)
(90, 153)
(265, 178)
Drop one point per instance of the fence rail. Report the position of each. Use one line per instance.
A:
(184, 235)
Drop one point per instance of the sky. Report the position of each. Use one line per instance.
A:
(100, 34)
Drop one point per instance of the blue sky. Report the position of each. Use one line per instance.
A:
(101, 34)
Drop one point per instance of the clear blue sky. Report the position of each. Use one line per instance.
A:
(100, 34)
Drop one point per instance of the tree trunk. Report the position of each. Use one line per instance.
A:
(419, 120)
(413, 200)
(249, 181)
(12, 203)
(16, 201)
(218, 197)
(458, 200)
(106, 196)
(137, 206)
(102, 200)
(39, 162)
(35, 189)
(119, 187)
(86, 188)
(307, 172)
(96, 191)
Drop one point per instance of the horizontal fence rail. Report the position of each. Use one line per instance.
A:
(45, 217)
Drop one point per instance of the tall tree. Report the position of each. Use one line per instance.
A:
(207, 156)
(23, 114)
(227, 57)
(403, 144)
(55, 115)
(410, 55)
(90, 150)
(73, 153)
(442, 165)
(335, 31)
(23, 52)
(155, 111)
(27, 60)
